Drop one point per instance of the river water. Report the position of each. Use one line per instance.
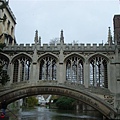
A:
(42, 113)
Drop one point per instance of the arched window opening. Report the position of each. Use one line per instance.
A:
(54, 68)
(27, 70)
(21, 69)
(4, 62)
(98, 72)
(105, 74)
(80, 71)
(48, 69)
(68, 70)
(74, 70)
(15, 71)
(42, 69)
(3, 66)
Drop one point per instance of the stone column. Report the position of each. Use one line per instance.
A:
(10, 72)
(61, 68)
(111, 70)
(30, 72)
(77, 74)
(71, 74)
(86, 74)
(108, 74)
(35, 66)
(51, 70)
(19, 66)
(34, 72)
(61, 73)
(24, 70)
(95, 75)
(37, 71)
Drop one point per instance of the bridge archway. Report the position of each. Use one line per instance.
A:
(83, 96)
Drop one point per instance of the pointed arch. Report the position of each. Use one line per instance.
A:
(81, 95)
(21, 63)
(4, 62)
(48, 54)
(98, 70)
(75, 54)
(6, 56)
(48, 67)
(74, 68)
(98, 54)
(19, 55)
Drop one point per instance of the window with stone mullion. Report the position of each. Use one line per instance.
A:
(68, 69)
(80, 72)
(27, 70)
(97, 72)
(47, 69)
(15, 71)
(53, 70)
(21, 70)
(74, 70)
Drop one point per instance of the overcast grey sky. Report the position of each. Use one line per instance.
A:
(85, 21)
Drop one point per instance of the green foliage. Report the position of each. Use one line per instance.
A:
(65, 103)
(2, 45)
(4, 78)
(32, 101)
(3, 73)
(54, 98)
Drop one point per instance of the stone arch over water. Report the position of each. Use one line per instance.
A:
(81, 95)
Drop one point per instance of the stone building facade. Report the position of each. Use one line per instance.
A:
(7, 24)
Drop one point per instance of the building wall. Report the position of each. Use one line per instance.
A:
(7, 26)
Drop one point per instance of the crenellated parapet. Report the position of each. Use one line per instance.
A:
(89, 48)
(65, 47)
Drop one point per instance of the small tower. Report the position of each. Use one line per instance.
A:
(61, 37)
(36, 37)
(40, 40)
(109, 37)
(116, 23)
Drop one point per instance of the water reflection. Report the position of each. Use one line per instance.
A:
(42, 113)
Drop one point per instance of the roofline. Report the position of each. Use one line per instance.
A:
(11, 13)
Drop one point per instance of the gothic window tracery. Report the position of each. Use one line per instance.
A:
(4, 63)
(98, 72)
(21, 69)
(48, 68)
(74, 70)
(15, 71)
